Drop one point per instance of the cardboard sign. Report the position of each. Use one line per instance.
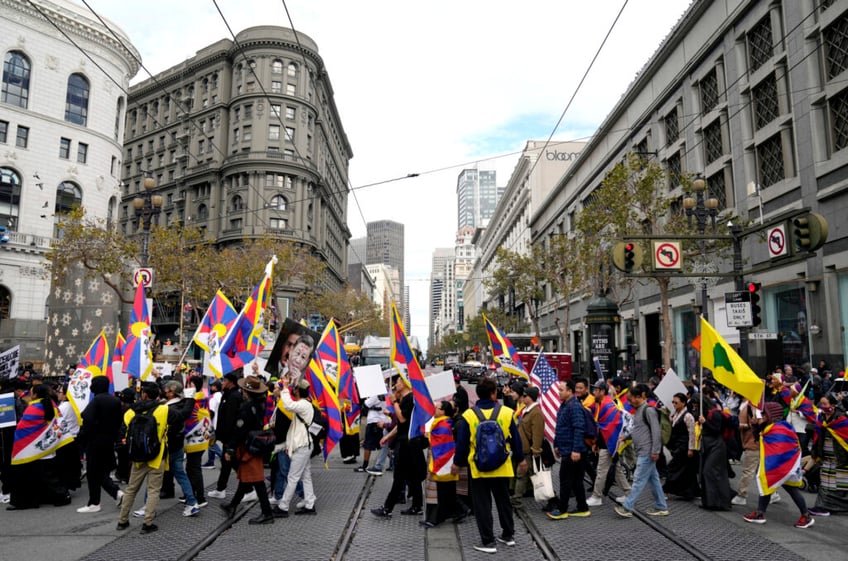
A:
(7, 410)
(441, 385)
(668, 386)
(369, 380)
(9, 361)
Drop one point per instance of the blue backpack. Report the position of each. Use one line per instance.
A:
(490, 452)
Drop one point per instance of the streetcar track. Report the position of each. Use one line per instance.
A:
(537, 536)
(353, 521)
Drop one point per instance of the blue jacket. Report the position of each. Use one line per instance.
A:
(570, 428)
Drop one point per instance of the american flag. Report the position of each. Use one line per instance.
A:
(545, 378)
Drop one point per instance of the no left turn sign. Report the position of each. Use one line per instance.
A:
(667, 255)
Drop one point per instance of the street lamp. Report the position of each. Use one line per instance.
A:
(701, 208)
(147, 209)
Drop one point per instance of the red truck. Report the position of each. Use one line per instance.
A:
(561, 362)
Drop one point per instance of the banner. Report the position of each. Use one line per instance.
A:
(7, 410)
(9, 361)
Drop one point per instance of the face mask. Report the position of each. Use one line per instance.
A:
(827, 410)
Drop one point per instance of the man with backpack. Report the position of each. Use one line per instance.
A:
(570, 445)
(485, 436)
(147, 423)
(647, 441)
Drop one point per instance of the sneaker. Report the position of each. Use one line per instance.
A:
(217, 494)
(89, 508)
(805, 522)
(250, 497)
(486, 547)
(620, 500)
(148, 528)
(182, 499)
(775, 498)
(274, 500)
(818, 512)
(202, 503)
(191, 510)
(279, 513)
(656, 512)
(381, 512)
(208, 466)
(138, 513)
(300, 503)
(374, 471)
(351, 460)
(755, 517)
(580, 513)
(5, 498)
(623, 512)
(305, 510)
(360, 469)
(123, 525)
(557, 514)
(412, 511)
(594, 501)
(119, 498)
(510, 541)
(739, 500)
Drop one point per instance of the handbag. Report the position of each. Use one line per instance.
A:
(260, 442)
(543, 485)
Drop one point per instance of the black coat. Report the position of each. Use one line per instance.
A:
(102, 420)
(178, 412)
(227, 414)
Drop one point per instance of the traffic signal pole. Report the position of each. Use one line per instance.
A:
(739, 283)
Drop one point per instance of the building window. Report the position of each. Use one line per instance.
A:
(200, 146)
(292, 69)
(277, 66)
(760, 47)
(278, 202)
(291, 89)
(68, 195)
(236, 135)
(289, 182)
(838, 109)
(15, 79)
(118, 110)
(713, 147)
(235, 223)
(770, 156)
(236, 112)
(672, 127)
(276, 86)
(4, 131)
(278, 223)
(835, 46)
(237, 203)
(65, 148)
(10, 197)
(82, 153)
(290, 134)
(718, 189)
(22, 139)
(675, 170)
(766, 108)
(202, 212)
(273, 180)
(274, 132)
(76, 101)
(709, 92)
(275, 111)
(248, 133)
(248, 111)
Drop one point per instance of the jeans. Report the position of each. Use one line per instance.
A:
(646, 474)
(214, 450)
(282, 476)
(384, 452)
(176, 464)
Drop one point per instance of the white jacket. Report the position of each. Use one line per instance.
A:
(297, 436)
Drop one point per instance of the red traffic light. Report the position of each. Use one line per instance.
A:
(753, 287)
(629, 246)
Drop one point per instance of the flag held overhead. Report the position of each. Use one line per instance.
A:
(727, 366)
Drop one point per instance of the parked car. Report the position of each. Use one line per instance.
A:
(473, 371)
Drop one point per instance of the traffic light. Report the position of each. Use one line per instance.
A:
(756, 310)
(809, 232)
(627, 256)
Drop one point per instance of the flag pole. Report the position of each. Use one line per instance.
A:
(701, 366)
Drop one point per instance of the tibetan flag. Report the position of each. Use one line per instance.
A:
(838, 429)
(503, 352)
(35, 437)
(402, 356)
(727, 367)
(117, 358)
(243, 342)
(799, 403)
(339, 374)
(95, 362)
(198, 425)
(218, 320)
(442, 449)
(610, 422)
(780, 458)
(544, 377)
(138, 357)
(324, 397)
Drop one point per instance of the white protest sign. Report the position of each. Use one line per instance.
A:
(668, 386)
(248, 367)
(441, 385)
(9, 361)
(369, 380)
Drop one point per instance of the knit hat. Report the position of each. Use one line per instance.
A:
(773, 412)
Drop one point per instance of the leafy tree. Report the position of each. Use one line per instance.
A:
(565, 272)
(357, 314)
(523, 276)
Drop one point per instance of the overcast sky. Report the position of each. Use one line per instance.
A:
(431, 87)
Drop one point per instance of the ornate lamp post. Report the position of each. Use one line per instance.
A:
(147, 209)
(701, 208)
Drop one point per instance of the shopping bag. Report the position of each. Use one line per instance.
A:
(543, 485)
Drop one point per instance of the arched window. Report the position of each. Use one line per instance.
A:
(10, 197)
(68, 196)
(15, 79)
(278, 202)
(202, 212)
(277, 66)
(5, 303)
(110, 212)
(292, 69)
(237, 203)
(76, 101)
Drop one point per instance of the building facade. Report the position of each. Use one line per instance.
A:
(752, 96)
(477, 195)
(385, 244)
(61, 129)
(441, 274)
(244, 140)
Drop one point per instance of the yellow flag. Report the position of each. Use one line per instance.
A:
(727, 367)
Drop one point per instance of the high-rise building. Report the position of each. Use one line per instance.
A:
(441, 273)
(385, 245)
(61, 127)
(477, 196)
(244, 140)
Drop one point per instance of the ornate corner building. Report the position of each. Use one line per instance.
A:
(244, 140)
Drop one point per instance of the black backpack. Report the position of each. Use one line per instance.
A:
(490, 451)
(143, 442)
